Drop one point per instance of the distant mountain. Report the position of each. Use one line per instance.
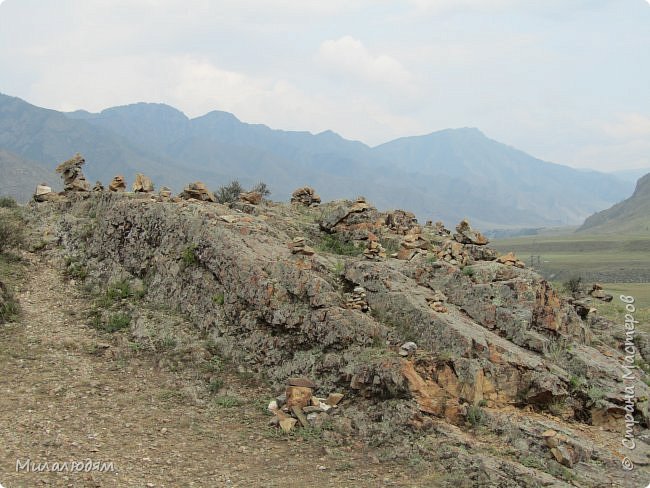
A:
(19, 176)
(447, 175)
(631, 216)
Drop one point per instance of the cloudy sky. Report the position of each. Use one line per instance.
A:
(565, 80)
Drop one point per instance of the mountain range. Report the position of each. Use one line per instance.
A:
(446, 175)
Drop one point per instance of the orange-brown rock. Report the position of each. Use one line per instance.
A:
(298, 396)
(252, 197)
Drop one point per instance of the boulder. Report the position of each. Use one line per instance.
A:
(42, 192)
(117, 184)
(73, 177)
(142, 184)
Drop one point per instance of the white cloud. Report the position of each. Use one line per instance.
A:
(348, 56)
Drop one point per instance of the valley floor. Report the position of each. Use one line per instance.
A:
(70, 393)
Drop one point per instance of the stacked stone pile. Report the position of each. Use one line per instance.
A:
(298, 405)
(306, 196)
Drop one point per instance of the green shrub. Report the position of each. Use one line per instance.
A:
(189, 257)
(117, 322)
(12, 232)
(215, 385)
(262, 188)
(468, 271)
(476, 416)
(9, 309)
(8, 202)
(229, 193)
(573, 284)
(336, 245)
(119, 290)
(219, 298)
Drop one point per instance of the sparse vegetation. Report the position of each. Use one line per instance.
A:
(8, 202)
(116, 322)
(227, 401)
(9, 309)
(468, 271)
(219, 298)
(11, 231)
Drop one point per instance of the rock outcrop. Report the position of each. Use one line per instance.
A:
(73, 177)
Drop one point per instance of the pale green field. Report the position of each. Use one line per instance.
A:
(603, 258)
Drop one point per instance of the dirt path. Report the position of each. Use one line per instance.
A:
(64, 397)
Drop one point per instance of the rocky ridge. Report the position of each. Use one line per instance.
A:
(487, 338)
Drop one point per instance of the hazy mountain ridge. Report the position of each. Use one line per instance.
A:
(447, 175)
(631, 216)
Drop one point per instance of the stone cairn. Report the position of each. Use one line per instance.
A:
(412, 244)
(117, 184)
(466, 235)
(73, 177)
(98, 186)
(454, 253)
(298, 246)
(306, 196)
(357, 299)
(299, 405)
(374, 251)
(142, 184)
(400, 221)
(251, 197)
(440, 230)
(436, 302)
(198, 191)
(598, 292)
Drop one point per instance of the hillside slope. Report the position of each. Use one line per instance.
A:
(282, 291)
(631, 216)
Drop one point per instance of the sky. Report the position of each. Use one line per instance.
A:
(567, 81)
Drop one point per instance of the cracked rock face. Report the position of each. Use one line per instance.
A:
(497, 335)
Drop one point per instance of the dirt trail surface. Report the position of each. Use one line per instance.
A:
(65, 398)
